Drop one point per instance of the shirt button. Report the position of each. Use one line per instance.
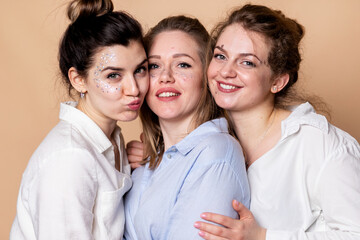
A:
(169, 156)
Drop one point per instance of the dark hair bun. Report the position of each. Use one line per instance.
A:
(87, 8)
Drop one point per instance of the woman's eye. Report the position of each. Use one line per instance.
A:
(153, 66)
(184, 65)
(113, 75)
(248, 63)
(219, 56)
(140, 70)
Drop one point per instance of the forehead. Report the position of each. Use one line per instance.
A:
(170, 42)
(120, 55)
(238, 40)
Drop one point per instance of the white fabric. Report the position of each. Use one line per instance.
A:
(308, 185)
(70, 188)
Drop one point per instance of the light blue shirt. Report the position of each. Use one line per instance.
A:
(203, 172)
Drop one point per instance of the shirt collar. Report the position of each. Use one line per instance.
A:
(86, 126)
(201, 132)
(303, 114)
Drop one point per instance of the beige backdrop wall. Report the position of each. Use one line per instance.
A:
(30, 90)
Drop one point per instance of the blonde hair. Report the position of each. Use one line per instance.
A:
(206, 109)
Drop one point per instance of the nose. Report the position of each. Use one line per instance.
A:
(166, 76)
(130, 87)
(227, 70)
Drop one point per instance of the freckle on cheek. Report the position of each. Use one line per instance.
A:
(184, 76)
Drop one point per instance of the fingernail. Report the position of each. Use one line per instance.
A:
(203, 215)
(197, 225)
(201, 233)
(236, 202)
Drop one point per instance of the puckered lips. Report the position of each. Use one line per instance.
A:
(167, 94)
(135, 105)
(227, 87)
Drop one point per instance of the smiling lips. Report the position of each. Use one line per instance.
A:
(167, 94)
(227, 88)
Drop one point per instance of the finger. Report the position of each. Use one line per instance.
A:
(134, 165)
(135, 144)
(219, 219)
(134, 159)
(208, 236)
(241, 209)
(135, 152)
(211, 231)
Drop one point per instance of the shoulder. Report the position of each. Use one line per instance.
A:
(219, 149)
(340, 142)
(313, 133)
(61, 151)
(62, 138)
(219, 142)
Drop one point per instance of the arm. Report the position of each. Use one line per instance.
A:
(211, 188)
(62, 196)
(337, 193)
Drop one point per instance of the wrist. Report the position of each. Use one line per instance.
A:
(263, 234)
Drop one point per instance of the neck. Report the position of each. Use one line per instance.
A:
(106, 125)
(252, 125)
(174, 131)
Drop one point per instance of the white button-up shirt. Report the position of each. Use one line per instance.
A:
(70, 188)
(308, 185)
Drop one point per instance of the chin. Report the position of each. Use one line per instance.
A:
(227, 105)
(128, 117)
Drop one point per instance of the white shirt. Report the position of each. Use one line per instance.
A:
(308, 185)
(70, 188)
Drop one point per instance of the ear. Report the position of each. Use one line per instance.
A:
(279, 83)
(77, 81)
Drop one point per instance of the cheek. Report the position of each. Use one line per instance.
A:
(150, 98)
(212, 71)
(154, 74)
(152, 84)
(184, 76)
(106, 87)
(143, 86)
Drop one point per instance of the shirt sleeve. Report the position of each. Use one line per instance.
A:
(337, 193)
(208, 188)
(62, 196)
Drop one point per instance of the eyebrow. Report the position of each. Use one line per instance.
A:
(143, 61)
(177, 55)
(122, 69)
(241, 54)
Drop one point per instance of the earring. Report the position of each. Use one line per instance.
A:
(274, 88)
(82, 95)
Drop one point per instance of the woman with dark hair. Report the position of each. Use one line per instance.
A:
(74, 183)
(303, 171)
(192, 163)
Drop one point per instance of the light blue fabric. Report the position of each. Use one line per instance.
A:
(203, 172)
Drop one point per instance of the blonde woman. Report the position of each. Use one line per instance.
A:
(193, 164)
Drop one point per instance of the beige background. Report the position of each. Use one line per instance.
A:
(30, 90)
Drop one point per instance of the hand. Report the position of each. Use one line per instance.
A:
(245, 228)
(135, 152)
